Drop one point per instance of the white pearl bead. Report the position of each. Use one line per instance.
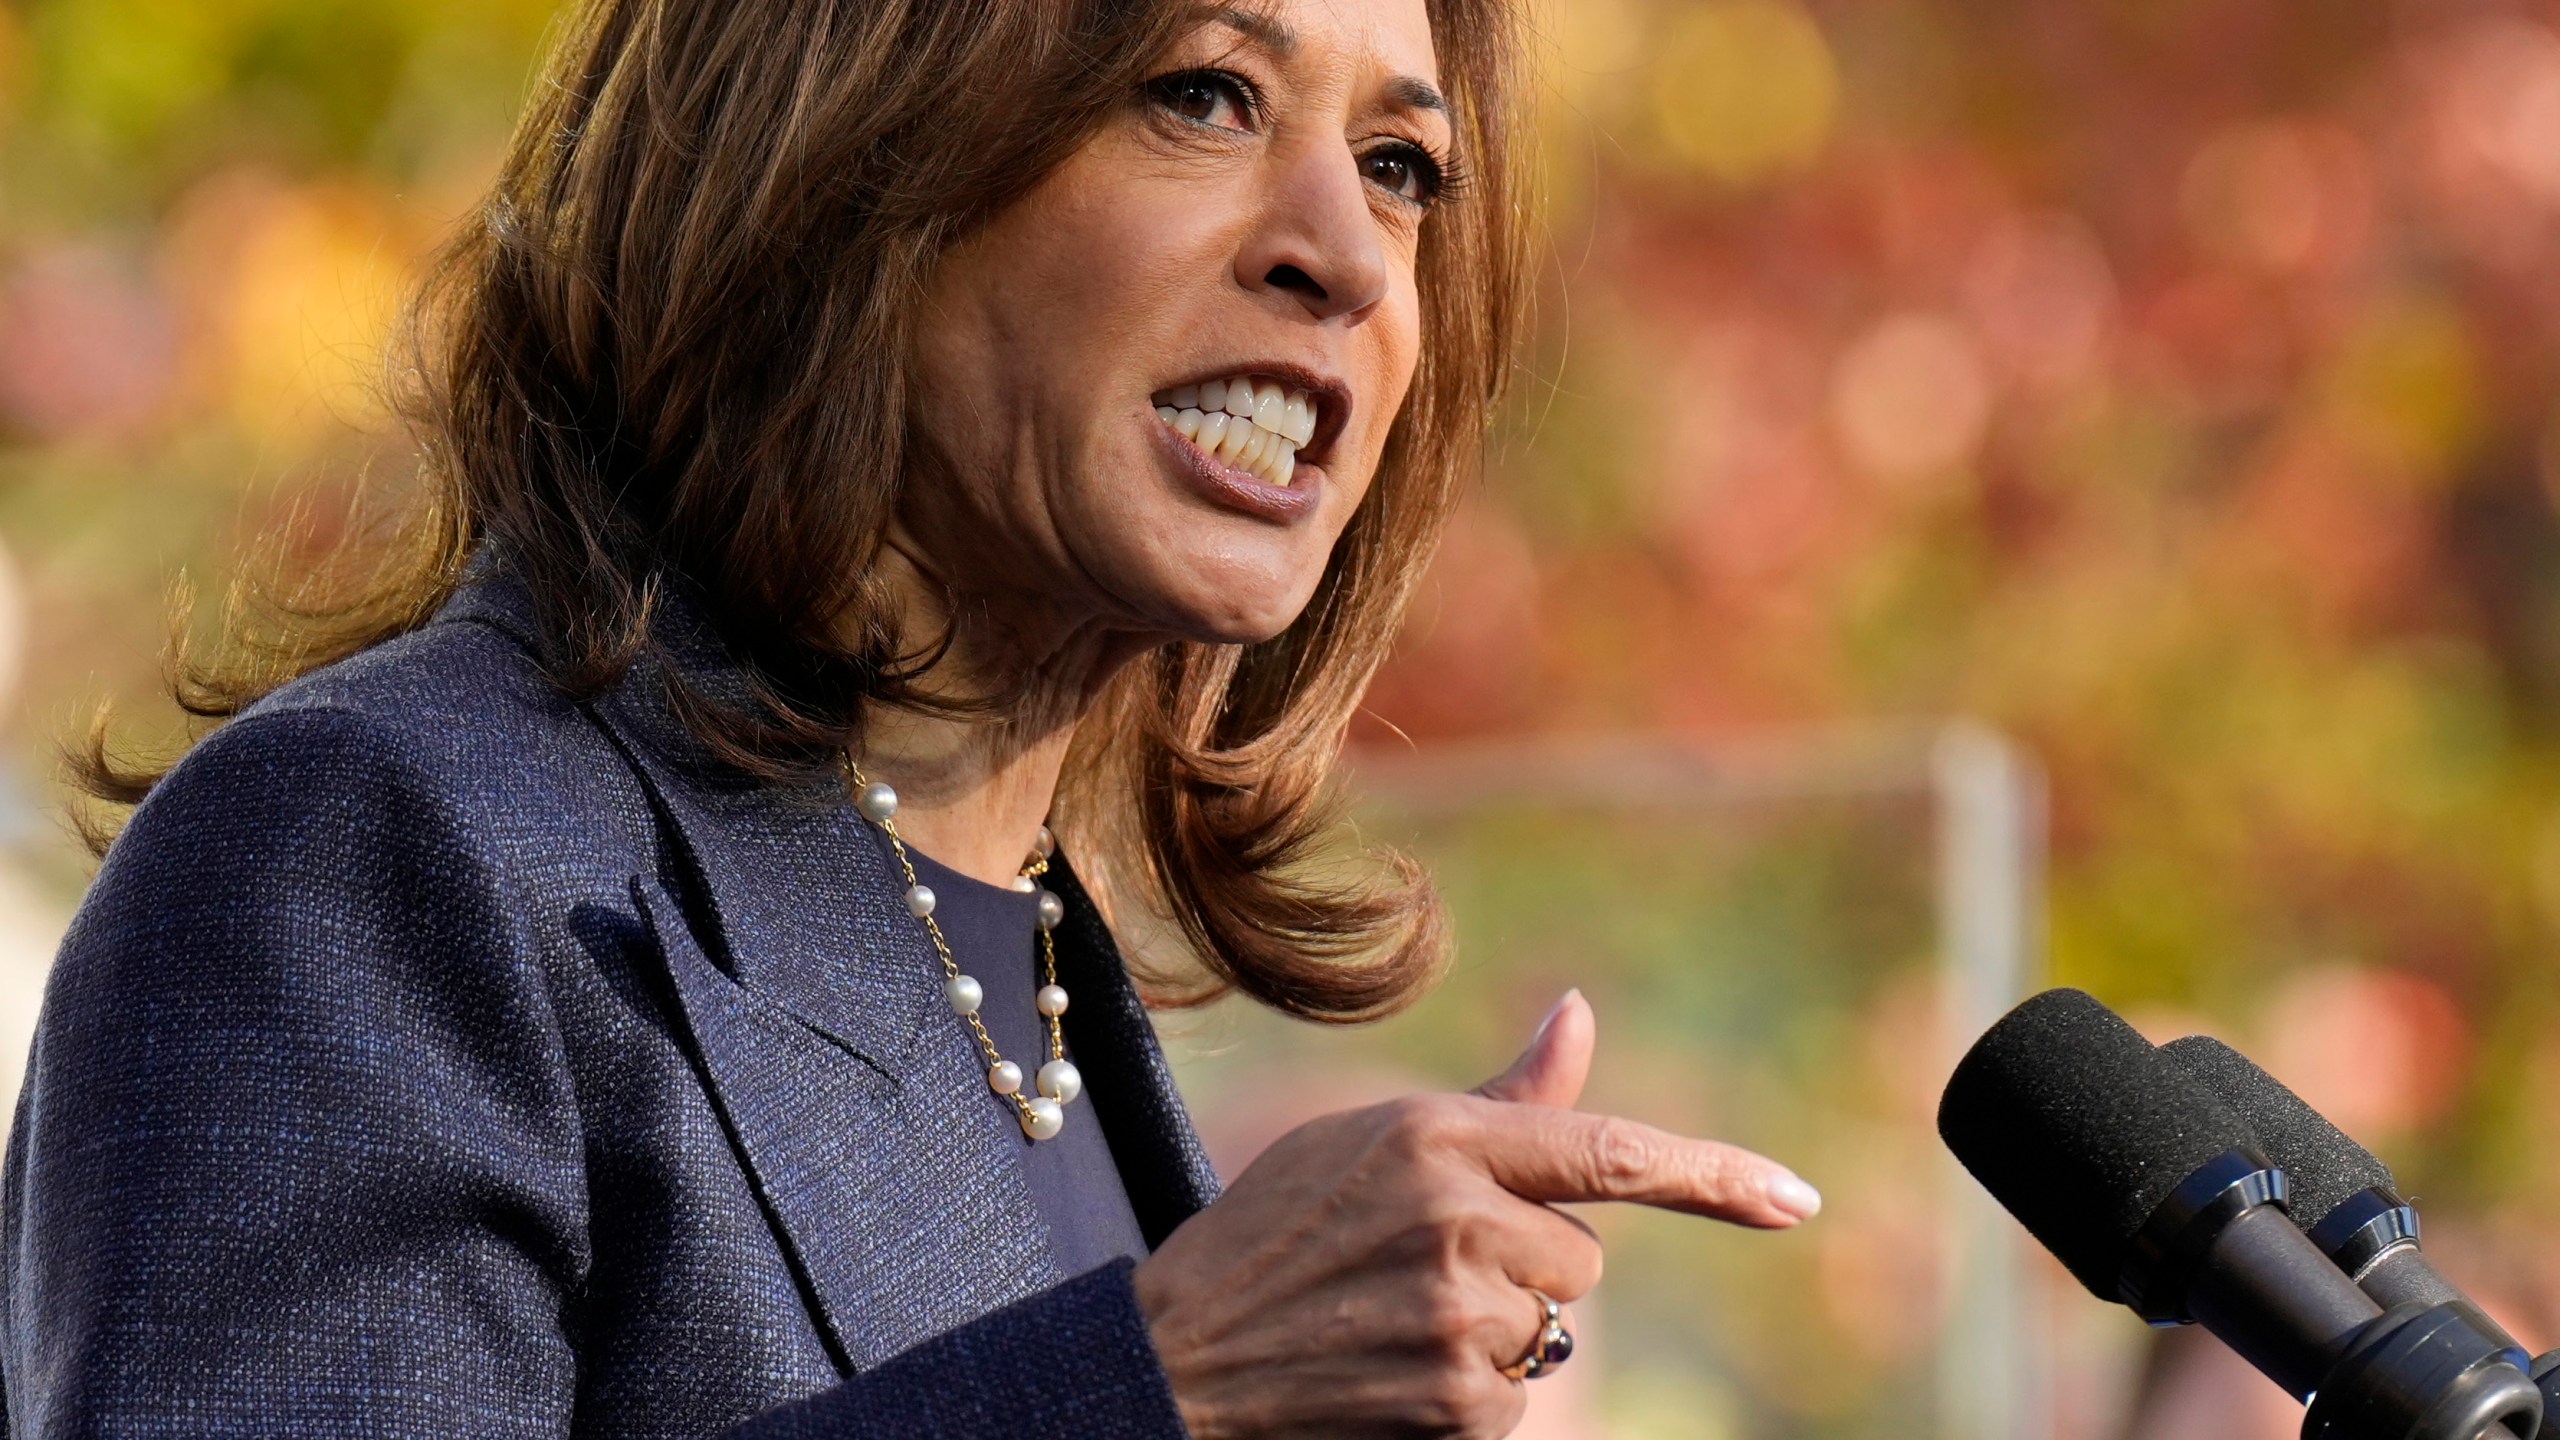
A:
(1025, 884)
(964, 993)
(877, 802)
(919, 900)
(1061, 1081)
(1005, 1077)
(1052, 910)
(1046, 845)
(1053, 1000)
(1043, 1118)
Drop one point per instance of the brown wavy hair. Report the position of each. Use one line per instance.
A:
(668, 353)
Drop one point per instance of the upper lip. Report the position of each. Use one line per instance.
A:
(1331, 394)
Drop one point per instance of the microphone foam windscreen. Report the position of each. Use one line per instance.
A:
(2081, 1128)
(2320, 1163)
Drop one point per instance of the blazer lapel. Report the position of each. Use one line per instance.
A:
(793, 890)
(863, 1127)
(858, 1109)
(901, 1220)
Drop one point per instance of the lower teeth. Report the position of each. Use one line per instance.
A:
(1275, 463)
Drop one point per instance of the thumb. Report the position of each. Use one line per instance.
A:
(1558, 1060)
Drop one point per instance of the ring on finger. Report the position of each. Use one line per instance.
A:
(1552, 1347)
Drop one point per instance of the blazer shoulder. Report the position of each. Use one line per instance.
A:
(450, 677)
(454, 720)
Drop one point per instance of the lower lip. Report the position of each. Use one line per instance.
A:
(1240, 490)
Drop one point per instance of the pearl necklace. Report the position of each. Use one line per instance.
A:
(1042, 1115)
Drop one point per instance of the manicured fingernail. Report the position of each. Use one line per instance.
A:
(1788, 1192)
(1553, 1011)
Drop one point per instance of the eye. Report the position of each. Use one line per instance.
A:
(1208, 97)
(1406, 170)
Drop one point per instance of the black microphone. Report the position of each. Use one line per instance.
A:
(2343, 1195)
(2153, 1193)
(2345, 1198)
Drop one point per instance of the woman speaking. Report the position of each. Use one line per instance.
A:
(622, 973)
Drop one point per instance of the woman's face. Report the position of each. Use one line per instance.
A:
(1158, 384)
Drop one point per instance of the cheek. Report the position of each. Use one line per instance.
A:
(1039, 329)
(1096, 274)
(1389, 356)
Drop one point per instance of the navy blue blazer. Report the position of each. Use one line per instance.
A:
(435, 1056)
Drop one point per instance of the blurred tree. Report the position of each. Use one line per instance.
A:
(2169, 382)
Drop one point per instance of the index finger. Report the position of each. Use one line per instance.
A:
(1564, 1157)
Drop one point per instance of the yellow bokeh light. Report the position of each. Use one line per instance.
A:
(298, 287)
(1597, 48)
(1743, 90)
(2404, 389)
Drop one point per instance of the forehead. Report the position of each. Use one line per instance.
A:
(1389, 37)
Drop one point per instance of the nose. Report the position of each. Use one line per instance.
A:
(1315, 244)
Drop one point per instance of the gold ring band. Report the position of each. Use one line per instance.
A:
(1553, 1346)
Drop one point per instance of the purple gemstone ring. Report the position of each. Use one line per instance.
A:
(1554, 1344)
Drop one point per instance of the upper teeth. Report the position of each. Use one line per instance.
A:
(1251, 425)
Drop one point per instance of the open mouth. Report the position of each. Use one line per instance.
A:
(1247, 422)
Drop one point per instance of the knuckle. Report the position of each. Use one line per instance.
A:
(1452, 1214)
(1620, 1158)
(1466, 1397)
(1419, 1126)
(1444, 1402)
(1445, 1244)
(1581, 1263)
(1434, 1118)
(1446, 1309)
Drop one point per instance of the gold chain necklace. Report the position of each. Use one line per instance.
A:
(1042, 1115)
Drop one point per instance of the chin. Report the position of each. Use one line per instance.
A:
(1202, 574)
(1232, 627)
(1241, 614)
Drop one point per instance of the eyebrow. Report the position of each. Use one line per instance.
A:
(1407, 92)
(1274, 35)
(1413, 93)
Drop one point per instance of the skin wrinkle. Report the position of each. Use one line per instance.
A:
(1269, 31)
(653, 356)
(1057, 679)
(1037, 497)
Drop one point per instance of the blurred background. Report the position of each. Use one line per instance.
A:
(2146, 408)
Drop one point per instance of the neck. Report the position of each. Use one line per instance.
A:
(975, 787)
(974, 791)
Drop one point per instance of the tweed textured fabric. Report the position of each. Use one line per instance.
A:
(436, 1057)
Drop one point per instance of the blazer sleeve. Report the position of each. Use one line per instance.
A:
(298, 1151)
(988, 1378)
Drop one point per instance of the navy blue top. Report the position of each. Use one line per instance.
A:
(993, 933)
(437, 1056)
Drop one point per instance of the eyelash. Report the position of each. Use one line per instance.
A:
(1441, 179)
